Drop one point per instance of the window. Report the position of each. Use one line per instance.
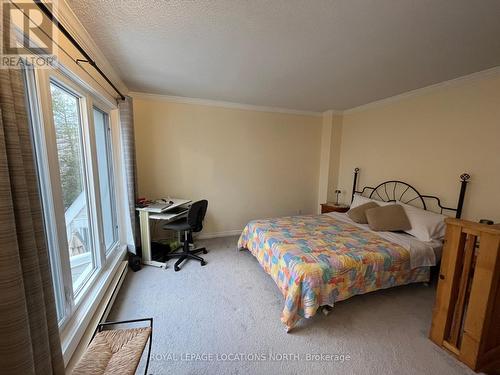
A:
(69, 143)
(105, 167)
(73, 139)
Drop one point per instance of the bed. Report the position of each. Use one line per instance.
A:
(319, 260)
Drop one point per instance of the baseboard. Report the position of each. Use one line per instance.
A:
(228, 233)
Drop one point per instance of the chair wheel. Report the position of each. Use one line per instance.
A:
(176, 268)
(203, 263)
(205, 251)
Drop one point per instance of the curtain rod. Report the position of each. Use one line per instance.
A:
(66, 33)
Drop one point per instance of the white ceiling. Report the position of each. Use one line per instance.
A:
(300, 54)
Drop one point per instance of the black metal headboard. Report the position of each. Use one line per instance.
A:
(394, 190)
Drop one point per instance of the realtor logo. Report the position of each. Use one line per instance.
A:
(28, 35)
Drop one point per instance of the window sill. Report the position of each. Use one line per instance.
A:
(76, 326)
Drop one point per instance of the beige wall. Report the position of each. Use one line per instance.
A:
(253, 164)
(325, 156)
(429, 139)
(333, 170)
(331, 137)
(248, 164)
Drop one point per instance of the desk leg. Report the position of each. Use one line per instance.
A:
(145, 236)
(146, 241)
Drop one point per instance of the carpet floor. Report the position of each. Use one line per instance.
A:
(224, 318)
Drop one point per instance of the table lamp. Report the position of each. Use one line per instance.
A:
(337, 193)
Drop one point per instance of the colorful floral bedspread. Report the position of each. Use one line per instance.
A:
(317, 261)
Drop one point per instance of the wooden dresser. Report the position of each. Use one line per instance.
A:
(466, 315)
(331, 207)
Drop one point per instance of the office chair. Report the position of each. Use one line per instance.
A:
(192, 223)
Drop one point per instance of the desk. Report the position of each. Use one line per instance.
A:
(144, 216)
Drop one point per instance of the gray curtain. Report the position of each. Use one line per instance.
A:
(130, 168)
(29, 335)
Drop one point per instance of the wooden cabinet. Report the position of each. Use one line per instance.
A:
(466, 315)
(331, 207)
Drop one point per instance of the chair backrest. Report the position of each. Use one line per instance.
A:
(196, 214)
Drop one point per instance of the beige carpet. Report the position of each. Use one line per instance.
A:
(224, 318)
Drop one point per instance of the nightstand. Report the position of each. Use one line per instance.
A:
(332, 207)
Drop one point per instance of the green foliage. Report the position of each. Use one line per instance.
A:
(66, 113)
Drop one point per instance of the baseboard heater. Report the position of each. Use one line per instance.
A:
(100, 314)
(115, 288)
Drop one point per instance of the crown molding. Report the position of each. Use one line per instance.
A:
(424, 90)
(378, 103)
(333, 112)
(69, 20)
(222, 104)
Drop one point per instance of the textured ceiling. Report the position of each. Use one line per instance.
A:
(300, 54)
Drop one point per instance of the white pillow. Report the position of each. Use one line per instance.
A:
(359, 200)
(425, 225)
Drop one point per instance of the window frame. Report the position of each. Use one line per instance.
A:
(41, 156)
(38, 83)
(85, 143)
(111, 172)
